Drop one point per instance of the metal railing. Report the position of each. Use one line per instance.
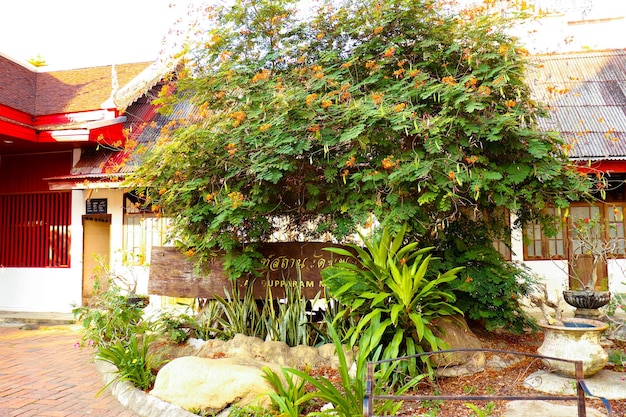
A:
(581, 387)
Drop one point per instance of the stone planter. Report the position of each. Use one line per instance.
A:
(587, 302)
(577, 339)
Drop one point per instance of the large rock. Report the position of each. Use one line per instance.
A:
(455, 332)
(272, 352)
(211, 385)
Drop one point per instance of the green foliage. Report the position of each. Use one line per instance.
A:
(478, 412)
(394, 295)
(489, 289)
(249, 411)
(289, 392)
(618, 358)
(110, 319)
(346, 395)
(286, 320)
(175, 327)
(239, 315)
(134, 363)
(398, 109)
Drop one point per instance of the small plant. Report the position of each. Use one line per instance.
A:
(590, 240)
(346, 396)
(132, 360)
(288, 319)
(470, 390)
(203, 325)
(175, 327)
(288, 395)
(618, 358)
(394, 296)
(433, 406)
(110, 319)
(249, 411)
(486, 412)
(239, 315)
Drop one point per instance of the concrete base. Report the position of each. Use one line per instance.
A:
(607, 384)
(544, 408)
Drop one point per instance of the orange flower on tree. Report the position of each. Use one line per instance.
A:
(371, 65)
(310, 99)
(378, 30)
(313, 128)
(231, 148)
(389, 52)
(238, 117)
(510, 103)
(162, 191)
(350, 162)
(326, 103)
(261, 75)
(377, 97)
(388, 162)
(190, 253)
(237, 198)
(265, 127)
(471, 83)
(484, 90)
(448, 80)
(399, 107)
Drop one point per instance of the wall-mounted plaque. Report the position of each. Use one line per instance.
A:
(96, 206)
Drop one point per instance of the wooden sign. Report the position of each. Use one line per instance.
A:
(172, 273)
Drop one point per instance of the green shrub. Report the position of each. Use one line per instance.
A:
(394, 295)
(490, 288)
(110, 319)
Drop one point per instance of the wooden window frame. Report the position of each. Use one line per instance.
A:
(568, 247)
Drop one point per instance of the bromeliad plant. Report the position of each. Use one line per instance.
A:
(394, 294)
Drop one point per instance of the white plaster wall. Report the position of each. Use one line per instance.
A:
(48, 289)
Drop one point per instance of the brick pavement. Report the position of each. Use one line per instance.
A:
(42, 374)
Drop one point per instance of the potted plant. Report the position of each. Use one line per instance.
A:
(591, 250)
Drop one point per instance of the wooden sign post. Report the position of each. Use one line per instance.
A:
(172, 273)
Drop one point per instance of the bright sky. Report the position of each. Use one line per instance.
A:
(84, 33)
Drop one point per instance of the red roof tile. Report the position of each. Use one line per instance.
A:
(55, 92)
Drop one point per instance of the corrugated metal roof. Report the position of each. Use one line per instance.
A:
(586, 92)
(144, 125)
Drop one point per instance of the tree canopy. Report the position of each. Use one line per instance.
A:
(398, 111)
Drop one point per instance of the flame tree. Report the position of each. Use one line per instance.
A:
(399, 111)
